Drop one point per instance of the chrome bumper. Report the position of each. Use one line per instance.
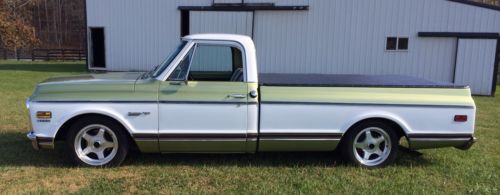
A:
(468, 145)
(40, 142)
(426, 141)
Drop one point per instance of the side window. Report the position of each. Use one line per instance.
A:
(216, 63)
(397, 44)
(180, 72)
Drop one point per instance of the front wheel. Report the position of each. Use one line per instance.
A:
(97, 142)
(371, 144)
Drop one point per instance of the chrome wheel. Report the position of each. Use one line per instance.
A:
(372, 146)
(96, 145)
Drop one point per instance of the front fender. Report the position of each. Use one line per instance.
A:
(63, 112)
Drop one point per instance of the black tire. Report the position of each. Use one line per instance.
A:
(120, 133)
(354, 155)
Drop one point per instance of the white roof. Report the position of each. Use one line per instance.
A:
(219, 37)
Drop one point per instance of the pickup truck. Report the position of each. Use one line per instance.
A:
(208, 97)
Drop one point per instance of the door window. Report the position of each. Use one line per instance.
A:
(211, 63)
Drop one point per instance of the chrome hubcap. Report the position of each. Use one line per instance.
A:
(96, 144)
(372, 146)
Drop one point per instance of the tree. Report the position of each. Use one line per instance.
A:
(16, 30)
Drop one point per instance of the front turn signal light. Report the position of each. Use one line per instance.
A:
(43, 114)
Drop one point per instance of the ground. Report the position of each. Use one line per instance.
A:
(24, 170)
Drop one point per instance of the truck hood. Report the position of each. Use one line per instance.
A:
(89, 87)
(94, 78)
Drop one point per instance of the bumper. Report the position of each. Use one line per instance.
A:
(468, 144)
(428, 141)
(40, 142)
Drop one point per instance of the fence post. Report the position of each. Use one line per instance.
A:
(62, 53)
(32, 54)
(47, 57)
(17, 54)
(4, 54)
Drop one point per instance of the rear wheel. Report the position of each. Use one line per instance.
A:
(96, 142)
(371, 144)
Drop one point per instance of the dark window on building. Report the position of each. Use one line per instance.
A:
(397, 44)
(391, 43)
(403, 44)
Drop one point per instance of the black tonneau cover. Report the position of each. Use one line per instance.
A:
(329, 80)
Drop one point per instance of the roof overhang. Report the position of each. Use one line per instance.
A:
(465, 35)
(477, 4)
(244, 7)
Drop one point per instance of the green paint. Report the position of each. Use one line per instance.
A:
(411, 96)
(97, 87)
(126, 87)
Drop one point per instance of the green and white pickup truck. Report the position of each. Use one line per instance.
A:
(208, 97)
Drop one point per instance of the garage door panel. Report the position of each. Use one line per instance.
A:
(475, 64)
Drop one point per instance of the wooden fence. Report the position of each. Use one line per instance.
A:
(58, 54)
(44, 54)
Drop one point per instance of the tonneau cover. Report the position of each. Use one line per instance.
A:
(329, 80)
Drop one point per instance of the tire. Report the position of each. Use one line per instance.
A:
(97, 142)
(371, 144)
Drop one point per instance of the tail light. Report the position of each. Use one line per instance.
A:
(460, 118)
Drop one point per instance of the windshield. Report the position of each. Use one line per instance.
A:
(157, 70)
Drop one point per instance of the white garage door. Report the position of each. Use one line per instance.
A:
(475, 64)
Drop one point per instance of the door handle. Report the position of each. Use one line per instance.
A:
(239, 96)
(175, 82)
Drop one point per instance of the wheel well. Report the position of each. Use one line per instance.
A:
(62, 132)
(399, 130)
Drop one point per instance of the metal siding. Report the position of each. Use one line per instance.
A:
(221, 22)
(475, 64)
(139, 35)
(338, 37)
(348, 37)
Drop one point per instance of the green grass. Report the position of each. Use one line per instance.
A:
(23, 170)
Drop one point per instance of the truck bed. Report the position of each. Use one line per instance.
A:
(344, 80)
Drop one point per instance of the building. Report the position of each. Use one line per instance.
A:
(441, 40)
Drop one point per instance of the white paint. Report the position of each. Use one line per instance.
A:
(176, 118)
(276, 118)
(475, 64)
(62, 112)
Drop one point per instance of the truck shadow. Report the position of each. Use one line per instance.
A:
(16, 151)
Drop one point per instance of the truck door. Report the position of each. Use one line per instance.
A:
(203, 104)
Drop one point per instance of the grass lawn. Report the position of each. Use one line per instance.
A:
(23, 170)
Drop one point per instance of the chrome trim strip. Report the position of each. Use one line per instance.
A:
(243, 137)
(96, 101)
(365, 104)
(292, 136)
(200, 139)
(206, 102)
(147, 102)
(297, 139)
